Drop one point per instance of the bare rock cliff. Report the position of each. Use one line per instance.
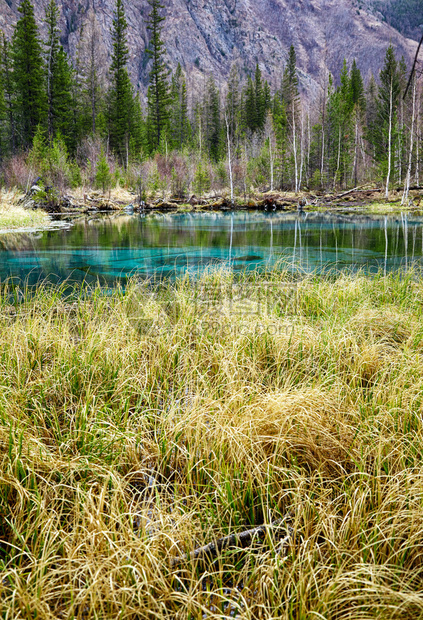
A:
(206, 37)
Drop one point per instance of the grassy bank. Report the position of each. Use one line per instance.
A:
(12, 216)
(135, 429)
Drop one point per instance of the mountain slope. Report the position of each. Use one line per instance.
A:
(207, 37)
(404, 15)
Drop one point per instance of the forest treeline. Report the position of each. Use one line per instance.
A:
(65, 123)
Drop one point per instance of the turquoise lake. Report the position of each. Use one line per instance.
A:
(157, 245)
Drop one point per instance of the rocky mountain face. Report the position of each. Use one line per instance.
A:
(207, 36)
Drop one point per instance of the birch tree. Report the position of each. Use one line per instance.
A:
(410, 154)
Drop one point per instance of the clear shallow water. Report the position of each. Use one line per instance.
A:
(157, 245)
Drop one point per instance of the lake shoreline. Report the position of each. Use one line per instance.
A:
(85, 201)
(22, 215)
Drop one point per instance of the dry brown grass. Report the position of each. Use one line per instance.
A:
(12, 216)
(130, 439)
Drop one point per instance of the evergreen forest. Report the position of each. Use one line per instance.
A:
(65, 124)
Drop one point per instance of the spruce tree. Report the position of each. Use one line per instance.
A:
(8, 91)
(280, 122)
(28, 74)
(179, 123)
(3, 115)
(120, 94)
(290, 79)
(233, 111)
(65, 106)
(250, 110)
(92, 90)
(290, 96)
(59, 82)
(158, 90)
(385, 130)
(359, 106)
(138, 140)
(260, 100)
(357, 87)
(103, 177)
(402, 121)
(257, 101)
(212, 121)
(52, 46)
(371, 115)
(267, 96)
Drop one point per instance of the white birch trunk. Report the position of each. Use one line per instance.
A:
(271, 164)
(355, 166)
(229, 158)
(300, 181)
(388, 176)
(294, 145)
(410, 158)
(338, 163)
(308, 148)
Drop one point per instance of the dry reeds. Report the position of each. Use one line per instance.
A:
(138, 427)
(13, 216)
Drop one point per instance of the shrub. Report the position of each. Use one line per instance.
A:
(201, 179)
(103, 177)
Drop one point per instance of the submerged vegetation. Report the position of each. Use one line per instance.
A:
(137, 427)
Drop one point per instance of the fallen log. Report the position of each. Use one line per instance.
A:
(351, 191)
(242, 540)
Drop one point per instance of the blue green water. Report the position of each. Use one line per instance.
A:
(158, 245)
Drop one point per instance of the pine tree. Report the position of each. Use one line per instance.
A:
(179, 123)
(28, 74)
(120, 93)
(158, 90)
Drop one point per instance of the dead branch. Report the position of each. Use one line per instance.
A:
(414, 68)
(241, 540)
(356, 189)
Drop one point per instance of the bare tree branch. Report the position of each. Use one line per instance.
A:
(414, 67)
(241, 540)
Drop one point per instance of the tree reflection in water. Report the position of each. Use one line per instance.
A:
(169, 245)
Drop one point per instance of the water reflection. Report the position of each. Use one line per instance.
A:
(167, 245)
